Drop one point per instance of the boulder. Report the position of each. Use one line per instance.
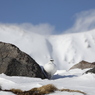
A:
(14, 62)
(83, 65)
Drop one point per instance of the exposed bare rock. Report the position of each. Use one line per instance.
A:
(91, 71)
(83, 65)
(14, 62)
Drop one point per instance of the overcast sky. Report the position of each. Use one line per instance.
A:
(59, 16)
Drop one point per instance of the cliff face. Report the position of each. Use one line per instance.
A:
(14, 62)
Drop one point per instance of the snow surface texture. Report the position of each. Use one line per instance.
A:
(66, 50)
(72, 79)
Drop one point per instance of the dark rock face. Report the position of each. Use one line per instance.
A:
(14, 62)
(83, 65)
(91, 71)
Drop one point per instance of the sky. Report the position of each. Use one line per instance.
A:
(58, 16)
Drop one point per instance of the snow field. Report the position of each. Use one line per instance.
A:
(72, 79)
(66, 50)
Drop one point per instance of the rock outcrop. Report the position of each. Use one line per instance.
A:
(14, 62)
(83, 65)
(91, 71)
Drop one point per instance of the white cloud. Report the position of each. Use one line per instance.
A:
(84, 21)
(44, 29)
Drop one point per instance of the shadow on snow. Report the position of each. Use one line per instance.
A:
(65, 76)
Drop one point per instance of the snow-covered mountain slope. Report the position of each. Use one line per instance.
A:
(65, 49)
